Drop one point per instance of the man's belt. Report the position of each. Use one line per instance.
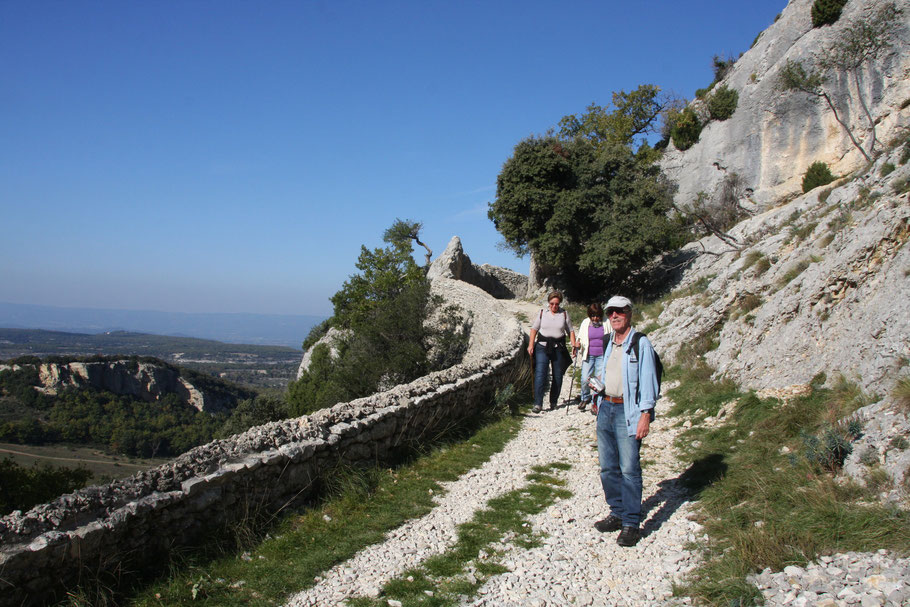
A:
(616, 400)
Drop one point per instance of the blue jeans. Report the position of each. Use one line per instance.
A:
(587, 370)
(620, 467)
(559, 364)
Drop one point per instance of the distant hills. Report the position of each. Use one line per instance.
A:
(259, 329)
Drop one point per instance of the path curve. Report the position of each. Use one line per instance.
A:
(575, 564)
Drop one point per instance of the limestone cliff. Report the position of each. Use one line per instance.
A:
(773, 136)
(142, 379)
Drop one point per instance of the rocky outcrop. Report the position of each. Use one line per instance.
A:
(773, 137)
(143, 380)
(516, 284)
(330, 340)
(819, 286)
(501, 283)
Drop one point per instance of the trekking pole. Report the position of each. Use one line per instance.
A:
(571, 382)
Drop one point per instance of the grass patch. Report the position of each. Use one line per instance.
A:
(762, 266)
(748, 302)
(802, 232)
(577, 312)
(650, 327)
(751, 259)
(797, 269)
(449, 578)
(901, 186)
(901, 394)
(362, 505)
(742, 475)
(650, 310)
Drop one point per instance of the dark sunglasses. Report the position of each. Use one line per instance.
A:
(623, 311)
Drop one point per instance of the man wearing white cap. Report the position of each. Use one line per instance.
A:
(629, 374)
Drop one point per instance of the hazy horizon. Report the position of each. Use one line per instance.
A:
(229, 327)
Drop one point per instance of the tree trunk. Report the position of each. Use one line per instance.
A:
(862, 102)
(536, 276)
(846, 128)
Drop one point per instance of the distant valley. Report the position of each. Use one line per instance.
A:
(253, 365)
(261, 329)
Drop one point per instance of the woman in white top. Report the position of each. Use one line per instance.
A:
(548, 347)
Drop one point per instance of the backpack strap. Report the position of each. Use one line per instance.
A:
(634, 343)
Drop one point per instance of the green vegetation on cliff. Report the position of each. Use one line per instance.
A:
(393, 330)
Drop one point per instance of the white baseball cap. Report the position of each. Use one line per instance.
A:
(618, 301)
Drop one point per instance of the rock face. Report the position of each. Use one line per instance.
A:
(330, 339)
(821, 288)
(143, 380)
(773, 137)
(501, 283)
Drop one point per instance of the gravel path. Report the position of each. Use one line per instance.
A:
(576, 565)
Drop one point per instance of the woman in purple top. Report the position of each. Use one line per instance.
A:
(591, 336)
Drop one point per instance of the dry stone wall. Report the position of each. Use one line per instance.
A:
(265, 468)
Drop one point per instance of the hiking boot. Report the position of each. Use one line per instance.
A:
(611, 523)
(536, 409)
(629, 536)
(582, 406)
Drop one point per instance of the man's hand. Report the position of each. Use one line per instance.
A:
(644, 425)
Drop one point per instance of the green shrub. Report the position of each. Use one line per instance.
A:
(905, 155)
(722, 67)
(829, 450)
(686, 129)
(817, 174)
(887, 169)
(826, 12)
(797, 269)
(722, 103)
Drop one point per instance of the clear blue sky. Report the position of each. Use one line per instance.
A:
(228, 156)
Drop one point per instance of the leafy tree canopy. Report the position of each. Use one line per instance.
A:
(402, 232)
(633, 114)
(384, 309)
(590, 211)
(384, 274)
